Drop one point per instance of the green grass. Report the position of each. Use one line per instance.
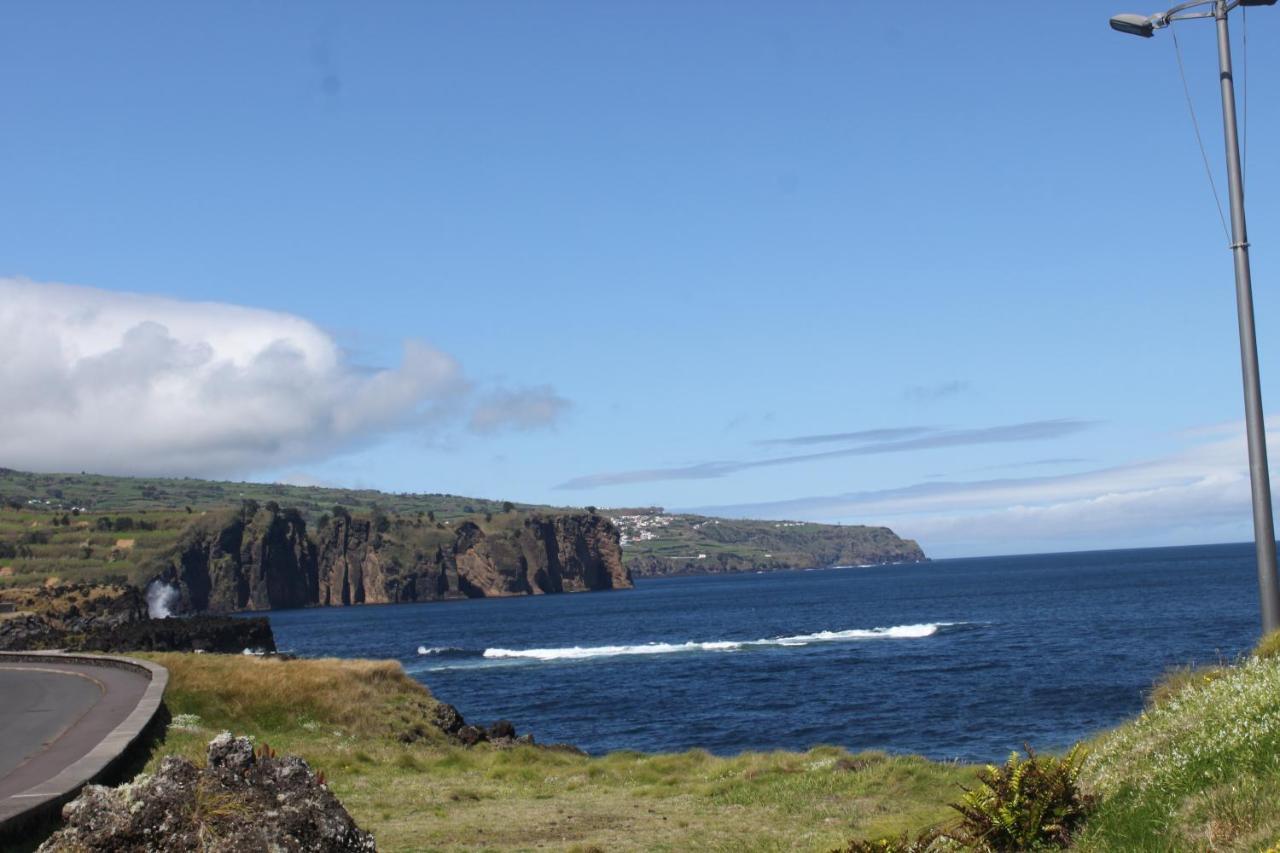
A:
(347, 718)
(35, 545)
(131, 495)
(1198, 770)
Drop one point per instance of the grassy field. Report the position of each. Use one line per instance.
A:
(116, 495)
(85, 546)
(351, 718)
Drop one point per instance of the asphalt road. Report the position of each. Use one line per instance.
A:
(52, 714)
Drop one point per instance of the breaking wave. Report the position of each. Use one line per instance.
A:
(897, 632)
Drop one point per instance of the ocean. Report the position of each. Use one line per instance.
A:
(952, 659)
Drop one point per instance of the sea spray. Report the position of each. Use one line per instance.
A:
(161, 599)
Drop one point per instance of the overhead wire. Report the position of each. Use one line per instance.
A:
(1195, 125)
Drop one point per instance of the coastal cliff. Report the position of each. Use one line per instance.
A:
(656, 542)
(266, 558)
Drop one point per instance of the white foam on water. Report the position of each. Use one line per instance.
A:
(896, 632)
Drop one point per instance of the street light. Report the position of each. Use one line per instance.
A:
(1263, 526)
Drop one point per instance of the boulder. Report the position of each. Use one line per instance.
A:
(470, 735)
(241, 801)
(502, 730)
(448, 719)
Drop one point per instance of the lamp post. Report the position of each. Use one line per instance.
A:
(1259, 476)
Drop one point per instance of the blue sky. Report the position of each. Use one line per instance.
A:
(641, 254)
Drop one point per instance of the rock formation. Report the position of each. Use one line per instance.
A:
(241, 801)
(249, 560)
(268, 559)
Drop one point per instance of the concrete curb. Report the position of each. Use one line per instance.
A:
(46, 799)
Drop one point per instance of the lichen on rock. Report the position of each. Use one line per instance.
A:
(241, 801)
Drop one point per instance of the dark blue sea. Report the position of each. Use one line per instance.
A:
(964, 659)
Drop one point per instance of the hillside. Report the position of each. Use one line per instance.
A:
(101, 493)
(97, 527)
(655, 542)
(220, 549)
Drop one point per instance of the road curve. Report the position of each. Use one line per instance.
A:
(66, 720)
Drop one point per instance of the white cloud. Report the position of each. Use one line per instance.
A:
(129, 383)
(1198, 494)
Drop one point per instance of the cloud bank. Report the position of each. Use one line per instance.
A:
(1198, 494)
(129, 383)
(868, 443)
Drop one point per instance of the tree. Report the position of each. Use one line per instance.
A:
(508, 506)
(431, 515)
(591, 510)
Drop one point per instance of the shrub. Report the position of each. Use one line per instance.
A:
(1268, 646)
(1028, 804)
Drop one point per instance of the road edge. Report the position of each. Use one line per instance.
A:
(45, 801)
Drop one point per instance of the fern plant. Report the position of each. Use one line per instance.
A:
(1027, 804)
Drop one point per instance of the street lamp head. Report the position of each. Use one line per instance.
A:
(1136, 25)
(1257, 2)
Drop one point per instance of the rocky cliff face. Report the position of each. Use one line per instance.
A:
(244, 561)
(569, 553)
(270, 560)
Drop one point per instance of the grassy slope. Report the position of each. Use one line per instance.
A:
(345, 718)
(1198, 771)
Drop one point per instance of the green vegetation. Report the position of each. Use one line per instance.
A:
(116, 495)
(656, 542)
(360, 723)
(83, 546)
(1198, 770)
(1031, 803)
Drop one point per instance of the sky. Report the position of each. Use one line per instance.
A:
(956, 270)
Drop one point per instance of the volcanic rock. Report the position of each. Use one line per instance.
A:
(239, 802)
